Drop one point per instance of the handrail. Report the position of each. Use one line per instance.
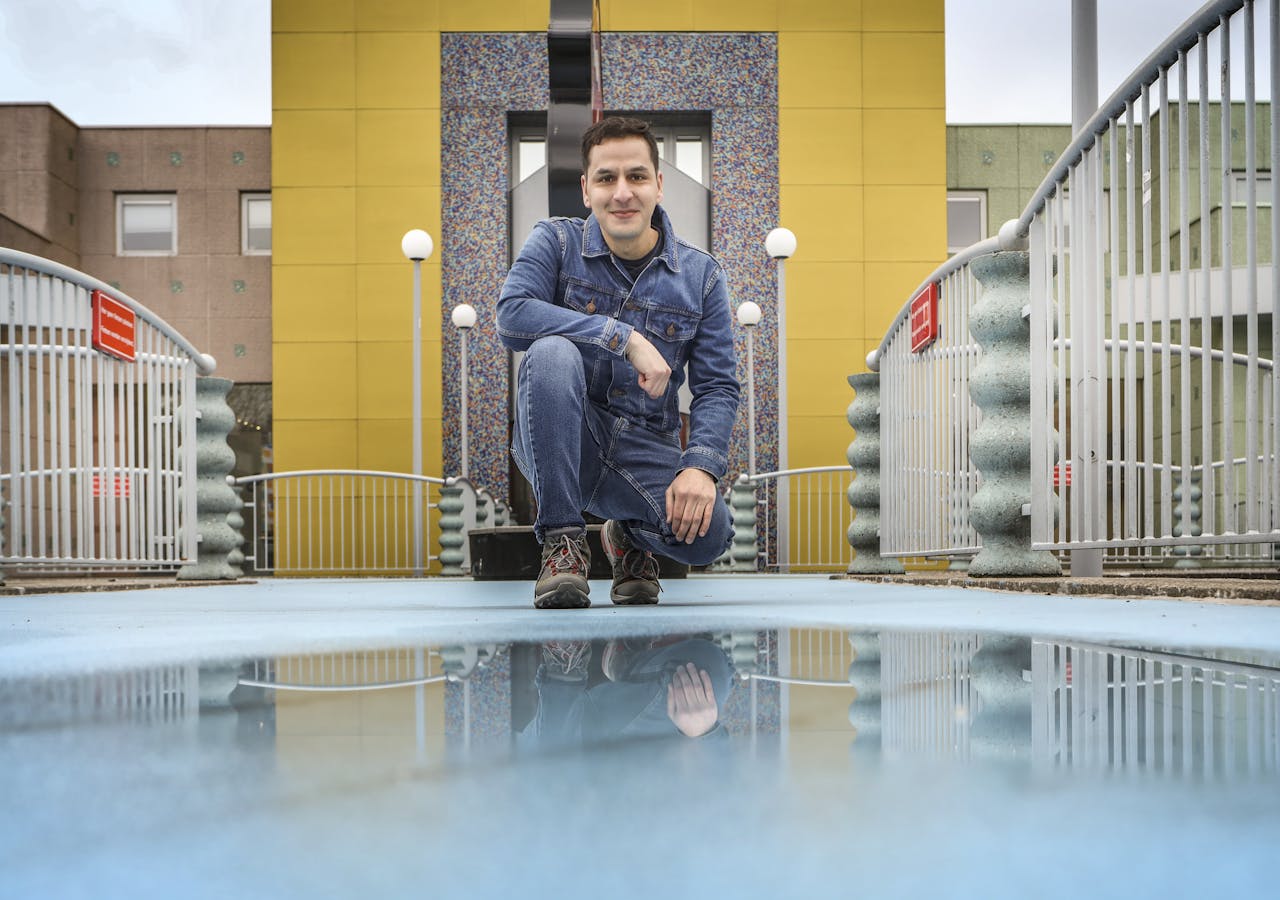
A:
(1128, 346)
(205, 364)
(747, 478)
(954, 264)
(404, 476)
(1183, 39)
(340, 688)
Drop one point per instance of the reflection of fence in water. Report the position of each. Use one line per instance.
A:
(1106, 707)
(149, 696)
(926, 692)
(352, 670)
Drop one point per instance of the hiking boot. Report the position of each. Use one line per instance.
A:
(635, 571)
(562, 579)
(566, 660)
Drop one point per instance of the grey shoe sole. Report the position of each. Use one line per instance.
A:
(640, 600)
(562, 596)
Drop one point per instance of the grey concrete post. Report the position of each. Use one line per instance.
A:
(864, 675)
(743, 651)
(1001, 447)
(2, 527)
(452, 525)
(864, 493)
(745, 548)
(1001, 715)
(1191, 506)
(215, 500)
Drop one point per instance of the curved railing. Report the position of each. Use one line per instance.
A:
(97, 396)
(811, 536)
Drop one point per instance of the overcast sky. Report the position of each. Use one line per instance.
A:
(191, 62)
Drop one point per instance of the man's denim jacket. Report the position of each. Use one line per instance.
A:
(567, 282)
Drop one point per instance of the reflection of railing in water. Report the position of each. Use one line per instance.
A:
(371, 670)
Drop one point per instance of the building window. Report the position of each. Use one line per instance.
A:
(146, 225)
(684, 141)
(255, 224)
(1261, 189)
(966, 219)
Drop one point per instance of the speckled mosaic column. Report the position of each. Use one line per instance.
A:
(864, 493)
(1001, 447)
(452, 523)
(215, 500)
(864, 675)
(1001, 713)
(745, 548)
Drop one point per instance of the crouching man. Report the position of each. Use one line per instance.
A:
(609, 310)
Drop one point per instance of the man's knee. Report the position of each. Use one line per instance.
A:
(553, 350)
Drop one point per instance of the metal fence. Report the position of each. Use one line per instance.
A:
(340, 522)
(1153, 273)
(806, 534)
(97, 453)
(926, 419)
(926, 692)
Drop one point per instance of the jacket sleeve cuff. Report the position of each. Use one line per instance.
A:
(711, 462)
(616, 336)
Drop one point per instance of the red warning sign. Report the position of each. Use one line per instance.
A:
(114, 327)
(924, 318)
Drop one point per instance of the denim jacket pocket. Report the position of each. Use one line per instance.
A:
(590, 299)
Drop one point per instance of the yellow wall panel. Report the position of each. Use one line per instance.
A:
(397, 15)
(903, 15)
(908, 224)
(903, 70)
(313, 71)
(387, 445)
(816, 372)
(311, 444)
(820, 15)
(655, 15)
(313, 303)
(384, 214)
(827, 221)
(384, 300)
(820, 440)
(314, 15)
(503, 16)
(823, 299)
(889, 285)
(735, 15)
(314, 225)
(313, 148)
(820, 69)
(820, 146)
(397, 147)
(904, 146)
(315, 380)
(385, 370)
(398, 70)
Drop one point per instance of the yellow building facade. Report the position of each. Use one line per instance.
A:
(359, 140)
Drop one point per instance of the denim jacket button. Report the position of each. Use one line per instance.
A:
(671, 330)
(591, 306)
(618, 392)
(613, 344)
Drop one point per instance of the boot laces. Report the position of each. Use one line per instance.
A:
(567, 556)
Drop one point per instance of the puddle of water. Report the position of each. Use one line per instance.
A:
(753, 761)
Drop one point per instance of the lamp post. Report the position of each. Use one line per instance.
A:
(749, 317)
(416, 245)
(463, 317)
(780, 244)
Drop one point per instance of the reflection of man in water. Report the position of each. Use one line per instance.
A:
(655, 687)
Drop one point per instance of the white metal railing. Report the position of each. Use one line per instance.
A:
(97, 454)
(1145, 239)
(339, 521)
(926, 419)
(1107, 707)
(818, 516)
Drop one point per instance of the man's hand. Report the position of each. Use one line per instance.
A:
(691, 702)
(691, 500)
(649, 363)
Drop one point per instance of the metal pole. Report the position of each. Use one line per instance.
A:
(417, 417)
(464, 399)
(784, 505)
(1084, 102)
(751, 401)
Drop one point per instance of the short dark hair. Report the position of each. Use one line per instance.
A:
(615, 127)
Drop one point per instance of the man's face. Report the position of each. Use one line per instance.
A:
(622, 189)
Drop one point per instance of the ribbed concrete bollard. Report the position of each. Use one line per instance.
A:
(235, 558)
(1191, 506)
(1001, 716)
(1001, 447)
(452, 525)
(215, 500)
(745, 547)
(2, 526)
(864, 675)
(864, 493)
(742, 649)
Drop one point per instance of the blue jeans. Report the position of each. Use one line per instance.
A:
(580, 457)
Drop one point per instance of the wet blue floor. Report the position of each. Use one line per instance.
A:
(750, 736)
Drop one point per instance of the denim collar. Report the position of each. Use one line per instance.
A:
(593, 242)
